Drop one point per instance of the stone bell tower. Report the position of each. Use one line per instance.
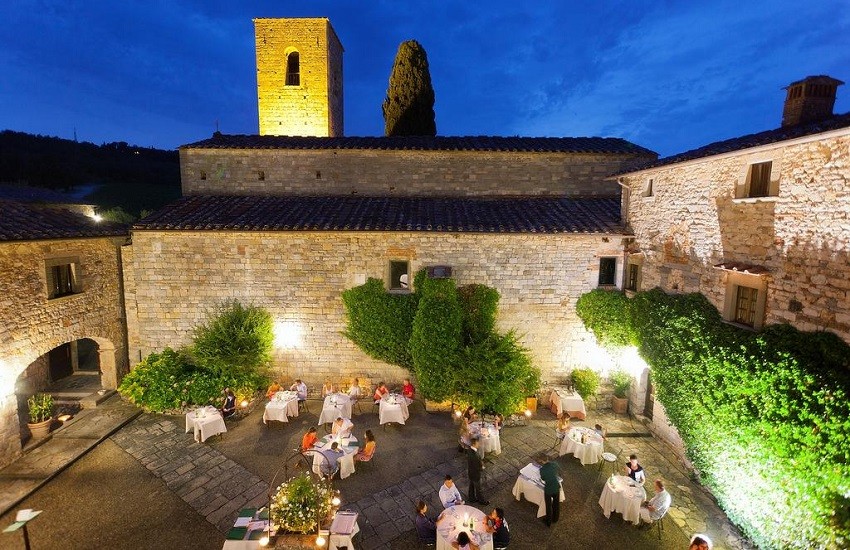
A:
(299, 77)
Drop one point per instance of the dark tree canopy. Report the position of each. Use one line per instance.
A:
(409, 106)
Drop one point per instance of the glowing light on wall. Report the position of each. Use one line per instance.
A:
(8, 377)
(288, 335)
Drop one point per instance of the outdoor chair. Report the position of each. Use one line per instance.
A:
(608, 458)
(302, 404)
(660, 522)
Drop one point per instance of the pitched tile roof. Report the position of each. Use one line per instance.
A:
(29, 222)
(465, 215)
(745, 142)
(427, 143)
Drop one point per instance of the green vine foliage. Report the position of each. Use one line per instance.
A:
(234, 338)
(480, 304)
(605, 314)
(379, 322)
(437, 338)
(765, 416)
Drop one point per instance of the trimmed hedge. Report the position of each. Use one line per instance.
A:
(234, 337)
(765, 417)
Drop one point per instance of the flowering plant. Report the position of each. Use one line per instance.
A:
(299, 503)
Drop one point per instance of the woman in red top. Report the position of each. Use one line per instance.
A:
(408, 390)
(380, 392)
(309, 439)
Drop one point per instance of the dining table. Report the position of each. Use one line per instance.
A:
(281, 407)
(488, 437)
(393, 408)
(250, 526)
(205, 422)
(342, 530)
(623, 495)
(346, 462)
(530, 485)
(563, 399)
(584, 444)
(459, 518)
(336, 405)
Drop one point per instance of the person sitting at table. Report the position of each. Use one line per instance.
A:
(327, 388)
(426, 528)
(380, 391)
(469, 415)
(600, 431)
(655, 508)
(700, 542)
(496, 524)
(273, 389)
(408, 390)
(499, 421)
(309, 439)
(464, 437)
(368, 449)
(562, 427)
(229, 406)
(635, 470)
(463, 542)
(449, 494)
(300, 388)
(331, 463)
(342, 427)
(354, 391)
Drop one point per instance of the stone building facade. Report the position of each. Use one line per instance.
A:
(33, 322)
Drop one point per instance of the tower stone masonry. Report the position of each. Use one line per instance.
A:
(299, 77)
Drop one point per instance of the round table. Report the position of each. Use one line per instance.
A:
(393, 408)
(346, 462)
(282, 405)
(452, 524)
(585, 444)
(624, 495)
(488, 437)
(336, 405)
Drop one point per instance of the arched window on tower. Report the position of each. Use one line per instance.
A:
(293, 71)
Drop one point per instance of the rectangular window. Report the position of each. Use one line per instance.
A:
(746, 299)
(607, 271)
(399, 275)
(648, 191)
(759, 179)
(61, 279)
(633, 277)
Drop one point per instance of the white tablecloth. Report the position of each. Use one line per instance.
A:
(246, 544)
(563, 400)
(488, 437)
(621, 494)
(335, 405)
(532, 487)
(281, 407)
(452, 524)
(208, 425)
(393, 408)
(346, 462)
(589, 452)
(342, 531)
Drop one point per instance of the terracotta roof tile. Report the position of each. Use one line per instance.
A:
(462, 215)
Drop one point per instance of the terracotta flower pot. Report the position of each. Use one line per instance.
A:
(619, 405)
(40, 429)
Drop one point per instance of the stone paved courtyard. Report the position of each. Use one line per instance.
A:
(212, 481)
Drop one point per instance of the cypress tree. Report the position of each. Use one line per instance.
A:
(409, 106)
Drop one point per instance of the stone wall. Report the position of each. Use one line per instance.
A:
(390, 172)
(801, 236)
(31, 325)
(300, 276)
(315, 106)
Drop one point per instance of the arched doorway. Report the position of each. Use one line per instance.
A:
(70, 372)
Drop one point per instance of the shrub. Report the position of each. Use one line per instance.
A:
(621, 381)
(496, 374)
(298, 504)
(40, 407)
(380, 322)
(479, 304)
(586, 382)
(436, 338)
(764, 416)
(234, 338)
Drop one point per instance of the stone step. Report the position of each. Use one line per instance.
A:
(96, 398)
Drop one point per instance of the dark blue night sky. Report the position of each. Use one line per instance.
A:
(667, 75)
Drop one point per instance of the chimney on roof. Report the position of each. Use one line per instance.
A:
(809, 100)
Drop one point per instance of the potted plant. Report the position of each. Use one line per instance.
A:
(41, 414)
(621, 381)
(586, 382)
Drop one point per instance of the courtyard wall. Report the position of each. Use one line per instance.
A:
(177, 276)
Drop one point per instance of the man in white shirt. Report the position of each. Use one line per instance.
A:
(449, 495)
(342, 427)
(657, 506)
(300, 388)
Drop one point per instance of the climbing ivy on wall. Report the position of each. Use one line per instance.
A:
(765, 416)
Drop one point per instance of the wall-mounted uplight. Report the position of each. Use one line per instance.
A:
(97, 217)
(288, 334)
